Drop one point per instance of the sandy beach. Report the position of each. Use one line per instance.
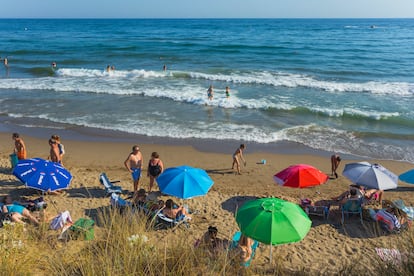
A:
(325, 250)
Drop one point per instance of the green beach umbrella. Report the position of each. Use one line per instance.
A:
(273, 221)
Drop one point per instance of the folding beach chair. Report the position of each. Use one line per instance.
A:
(321, 211)
(352, 206)
(109, 187)
(164, 222)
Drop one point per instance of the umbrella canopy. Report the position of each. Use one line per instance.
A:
(408, 176)
(184, 182)
(300, 176)
(372, 176)
(273, 221)
(42, 174)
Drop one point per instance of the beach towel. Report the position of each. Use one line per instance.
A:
(60, 220)
(392, 256)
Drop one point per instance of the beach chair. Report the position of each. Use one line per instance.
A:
(119, 203)
(234, 245)
(321, 211)
(164, 222)
(352, 206)
(109, 187)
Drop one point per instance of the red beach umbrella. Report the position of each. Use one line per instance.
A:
(300, 176)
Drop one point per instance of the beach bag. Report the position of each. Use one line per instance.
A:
(154, 170)
(83, 229)
(13, 160)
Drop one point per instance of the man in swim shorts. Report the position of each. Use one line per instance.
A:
(133, 163)
(19, 146)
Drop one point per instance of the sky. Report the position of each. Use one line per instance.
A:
(207, 9)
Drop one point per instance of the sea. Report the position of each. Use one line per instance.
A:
(330, 85)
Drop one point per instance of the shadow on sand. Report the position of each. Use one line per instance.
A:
(234, 203)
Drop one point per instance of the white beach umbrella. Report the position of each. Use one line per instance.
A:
(372, 176)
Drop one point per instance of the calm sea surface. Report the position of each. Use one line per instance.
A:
(339, 85)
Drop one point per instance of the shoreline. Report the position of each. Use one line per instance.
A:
(89, 134)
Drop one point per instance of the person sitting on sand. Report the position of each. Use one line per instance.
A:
(245, 246)
(237, 157)
(373, 194)
(210, 241)
(352, 193)
(17, 212)
(361, 192)
(174, 212)
(141, 198)
(391, 217)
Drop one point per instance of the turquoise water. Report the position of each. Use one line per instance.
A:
(344, 85)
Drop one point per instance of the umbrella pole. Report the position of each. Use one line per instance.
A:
(270, 254)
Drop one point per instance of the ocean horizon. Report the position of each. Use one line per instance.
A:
(334, 85)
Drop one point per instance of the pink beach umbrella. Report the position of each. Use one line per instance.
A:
(300, 176)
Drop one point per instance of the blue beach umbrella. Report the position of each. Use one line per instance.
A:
(408, 176)
(184, 182)
(42, 174)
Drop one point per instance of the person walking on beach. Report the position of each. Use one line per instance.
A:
(335, 160)
(210, 93)
(19, 146)
(237, 157)
(133, 163)
(155, 168)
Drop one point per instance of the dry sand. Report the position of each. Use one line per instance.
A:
(326, 248)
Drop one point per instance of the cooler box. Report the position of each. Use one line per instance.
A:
(13, 160)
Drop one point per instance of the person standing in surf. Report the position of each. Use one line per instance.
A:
(227, 92)
(210, 93)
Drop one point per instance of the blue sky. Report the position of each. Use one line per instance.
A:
(207, 8)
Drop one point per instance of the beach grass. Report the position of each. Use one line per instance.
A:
(127, 244)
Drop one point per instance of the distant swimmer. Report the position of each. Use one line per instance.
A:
(227, 92)
(113, 68)
(6, 62)
(54, 65)
(108, 68)
(164, 68)
(210, 92)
